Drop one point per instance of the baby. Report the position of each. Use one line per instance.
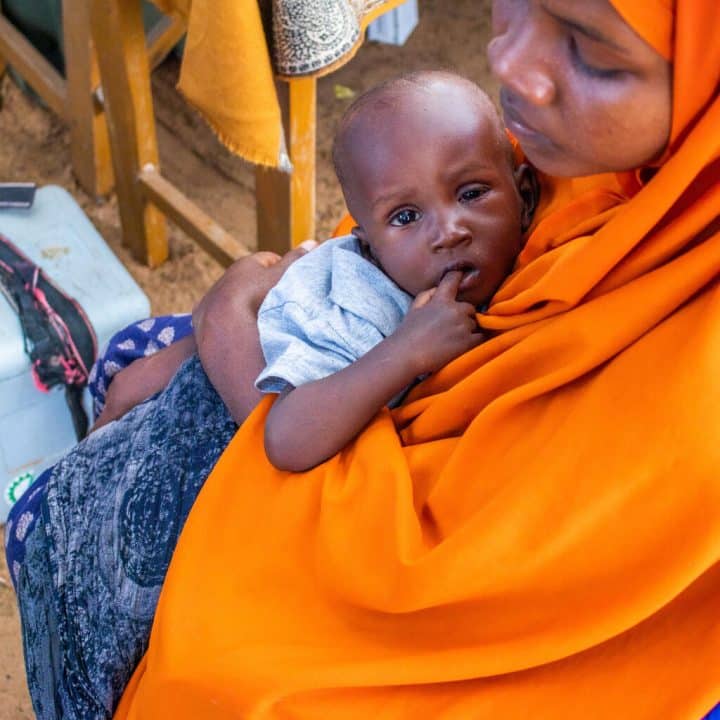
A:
(429, 177)
(428, 174)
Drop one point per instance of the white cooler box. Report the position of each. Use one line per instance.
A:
(36, 427)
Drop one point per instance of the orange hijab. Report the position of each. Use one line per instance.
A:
(537, 532)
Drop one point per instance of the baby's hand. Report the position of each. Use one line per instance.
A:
(438, 328)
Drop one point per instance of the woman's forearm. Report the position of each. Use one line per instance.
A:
(230, 352)
(315, 421)
(225, 324)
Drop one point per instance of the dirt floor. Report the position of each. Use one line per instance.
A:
(34, 146)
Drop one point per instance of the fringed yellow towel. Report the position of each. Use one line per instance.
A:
(227, 72)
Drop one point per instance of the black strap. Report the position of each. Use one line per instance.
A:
(57, 334)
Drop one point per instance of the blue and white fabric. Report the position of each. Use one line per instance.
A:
(138, 340)
(330, 307)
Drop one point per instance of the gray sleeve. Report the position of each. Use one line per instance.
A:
(299, 347)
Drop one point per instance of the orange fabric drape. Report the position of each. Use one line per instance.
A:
(536, 533)
(654, 21)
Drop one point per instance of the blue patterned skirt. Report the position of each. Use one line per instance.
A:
(138, 340)
(97, 555)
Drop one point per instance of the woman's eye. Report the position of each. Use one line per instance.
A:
(585, 67)
(404, 217)
(473, 193)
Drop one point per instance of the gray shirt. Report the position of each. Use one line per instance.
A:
(330, 307)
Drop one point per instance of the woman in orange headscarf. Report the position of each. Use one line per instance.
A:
(536, 532)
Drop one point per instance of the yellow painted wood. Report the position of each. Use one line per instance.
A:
(303, 129)
(272, 203)
(89, 142)
(119, 38)
(166, 33)
(69, 98)
(32, 66)
(213, 238)
(272, 193)
(286, 202)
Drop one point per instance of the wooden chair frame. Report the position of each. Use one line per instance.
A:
(78, 98)
(285, 203)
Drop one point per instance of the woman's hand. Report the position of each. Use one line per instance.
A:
(246, 282)
(225, 326)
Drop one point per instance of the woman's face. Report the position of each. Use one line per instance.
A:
(581, 91)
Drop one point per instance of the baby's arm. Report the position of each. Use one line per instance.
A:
(312, 422)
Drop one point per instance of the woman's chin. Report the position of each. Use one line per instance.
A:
(552, 159)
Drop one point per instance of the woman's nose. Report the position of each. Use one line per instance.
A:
(515, 58)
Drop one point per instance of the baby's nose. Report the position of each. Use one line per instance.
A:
(451, 235)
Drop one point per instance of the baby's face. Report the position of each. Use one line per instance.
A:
(433, 190)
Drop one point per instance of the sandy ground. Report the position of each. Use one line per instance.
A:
(34, 146)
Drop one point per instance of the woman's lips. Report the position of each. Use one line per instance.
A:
(515, 122)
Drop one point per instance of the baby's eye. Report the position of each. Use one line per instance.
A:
(473, 193)
(404, 217)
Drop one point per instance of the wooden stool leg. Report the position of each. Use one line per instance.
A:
(286, 203)
(17, 51)
(272, 202)
(118, 30)
(303, 130)
(89, 144)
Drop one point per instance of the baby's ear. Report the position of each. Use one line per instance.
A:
(359, 232)
(365, 247)
(529, 189)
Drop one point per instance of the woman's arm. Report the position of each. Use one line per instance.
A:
(225, 327)
(227, 318)
(314, 421)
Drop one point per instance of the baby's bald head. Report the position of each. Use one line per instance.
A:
(428, 174)
(385, 106)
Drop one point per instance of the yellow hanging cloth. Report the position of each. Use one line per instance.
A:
(227, 73)
(542, 537)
